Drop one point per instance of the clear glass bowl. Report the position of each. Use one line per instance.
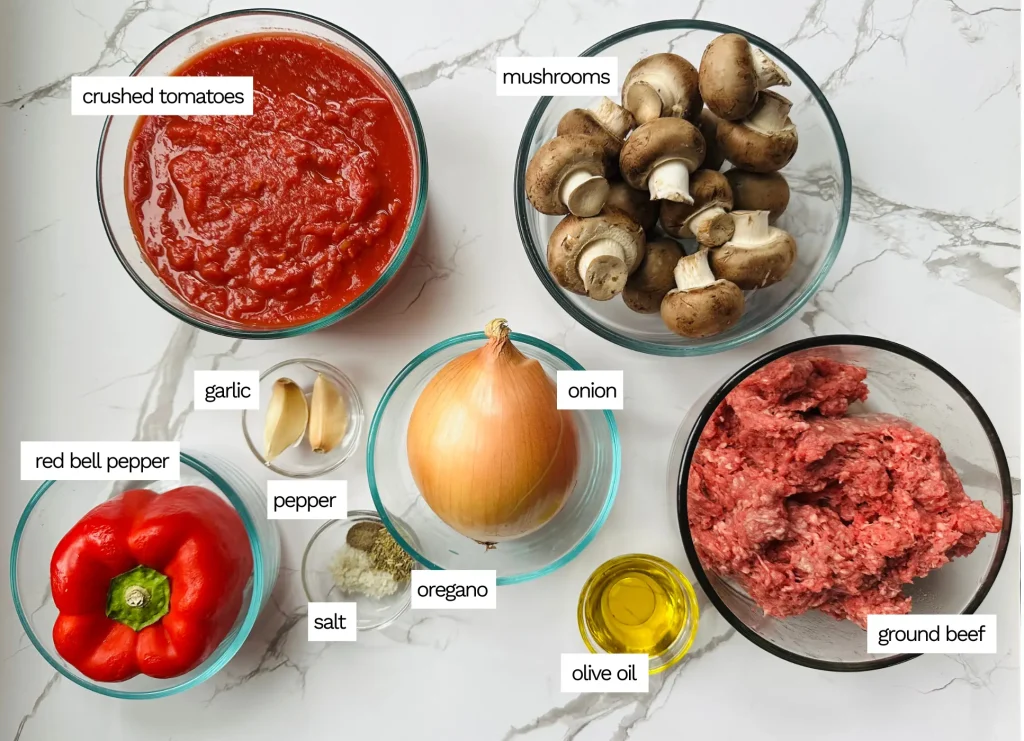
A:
(437, 546)
(171, 54)
(372, 613)
(819, 178)
(907, 384)
(299, 461)
(58, 505)
(680, 646)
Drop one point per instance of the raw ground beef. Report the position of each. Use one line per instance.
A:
(810, 509)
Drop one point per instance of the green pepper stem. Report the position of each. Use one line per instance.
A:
(139, 598)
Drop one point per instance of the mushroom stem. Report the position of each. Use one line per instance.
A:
(643, 99)
(752, 228)
(770, 114)
(711, 226)
(670, 181)
(602, 266)
(693, 271)
(616, 119)
(768, 72)
(583, 193)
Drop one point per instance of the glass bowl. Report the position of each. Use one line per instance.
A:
(437, 546)
(58, 505)
(299, 461)
(167, 57)
(819, 177)
(318, 583)
(631, 562)
(907, 384)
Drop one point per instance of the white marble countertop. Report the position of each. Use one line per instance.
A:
(928, 94)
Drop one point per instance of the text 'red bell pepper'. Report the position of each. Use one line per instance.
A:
(149, 583)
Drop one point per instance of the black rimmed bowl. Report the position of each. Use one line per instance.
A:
(819, 178)
(169, 56)
(908, 384)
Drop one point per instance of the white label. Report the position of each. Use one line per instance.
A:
(161, 96)
(605, 673)
(217, 389)
(100, 461)
(307, 500)
(932, 634)
(533, 76)
(589, 389)
(453, 590)
(331, 621)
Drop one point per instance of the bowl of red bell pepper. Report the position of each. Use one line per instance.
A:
(143, 589)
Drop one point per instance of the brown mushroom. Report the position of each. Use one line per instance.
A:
(660, 156)
(706, 219)
(594, 256)
(708, 125)
(756, 191)
(758, 255)
(654, 278)
(662, 85)
(700, 305)
(606, 120)
(636, 204)
(732, 73)
(569, 175)
(764, 142)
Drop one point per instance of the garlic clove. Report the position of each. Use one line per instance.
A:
(328, 419)
(286, 419)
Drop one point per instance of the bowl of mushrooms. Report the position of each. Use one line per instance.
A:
(702, 207)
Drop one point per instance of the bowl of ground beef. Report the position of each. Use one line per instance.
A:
(835, 478)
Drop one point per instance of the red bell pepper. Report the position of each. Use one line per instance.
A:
(149, 583)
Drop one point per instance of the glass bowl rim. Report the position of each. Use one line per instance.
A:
(655, 348)
(354, 515)
(371, 446)
(877, 343)
(252, 612)
(667, 567)
(418, 140)
(350, 389)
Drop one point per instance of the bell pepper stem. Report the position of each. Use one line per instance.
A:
(138, 598)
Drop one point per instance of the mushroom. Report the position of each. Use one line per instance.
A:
(654, 278)
(754, 191)
(569, 175)
(708, 125)
(606, 121)
(758, 255)
(662, 85)
(636, 204)
(764, 142)
(732, 73)
(700, 305)
(660, 156)
(705, 218)
(594, 256)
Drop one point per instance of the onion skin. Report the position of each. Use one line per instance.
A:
(491, 453)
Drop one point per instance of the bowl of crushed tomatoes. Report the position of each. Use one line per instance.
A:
(280, 222)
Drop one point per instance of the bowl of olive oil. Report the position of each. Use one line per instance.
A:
(639, 604)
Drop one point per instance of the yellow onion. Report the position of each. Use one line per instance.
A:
(489, 450)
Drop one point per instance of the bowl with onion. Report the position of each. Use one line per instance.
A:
(468, 453)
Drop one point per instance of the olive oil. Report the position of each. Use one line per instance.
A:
(639, 604)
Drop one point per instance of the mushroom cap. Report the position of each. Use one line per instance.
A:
(703, 312)
(573, 234)
(708, 125)
(636, 204)
(755, 267)
(755, 191)
(554, 160)
(642, 302)
(757, 151)
(583, 121)
(661, 139)
(728, 79)
(654, 274)
(675, 81)
(708, 188)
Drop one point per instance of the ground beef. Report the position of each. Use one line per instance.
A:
(808, 508)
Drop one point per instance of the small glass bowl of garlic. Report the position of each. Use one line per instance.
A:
(309, 420)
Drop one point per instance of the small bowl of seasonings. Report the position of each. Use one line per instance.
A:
(357, 560)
